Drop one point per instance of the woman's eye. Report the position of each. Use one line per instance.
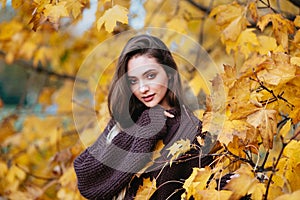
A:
(132, 81)
(151, 76)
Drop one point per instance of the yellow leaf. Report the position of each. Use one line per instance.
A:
(27, 49)
(281, 27)
(45, 96)
(7, 127)
(174, 24)
(297, 21)
(197, 181)
(225, 14)
(198, 83)
(178, 148)
(16, 3)
(213, 194)
(284, 131)
(295, 61)
(267, 44)
(74, 7)
(3, 169)
(297, 37)
(253, 11)
(42, 55)
(238, 128)
(15, 174)
(68, 177)
(252, 63)
(266, 122)
(146, 190)
(55, 12)
(8, 29)
(63, 97)
(246, 43)
(278, 70)
(234, 29)
(156, 154)
(292, 151)
(243, 183)
(293, 196)
(111, 16)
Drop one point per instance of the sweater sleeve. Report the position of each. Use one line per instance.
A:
(103, 170)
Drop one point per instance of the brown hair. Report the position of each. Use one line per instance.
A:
(123, 106)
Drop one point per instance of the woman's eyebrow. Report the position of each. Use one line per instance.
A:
(145, 73)
(150, 70)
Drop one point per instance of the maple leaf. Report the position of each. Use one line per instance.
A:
(281, 27)
(178, 148)
(266, 122)
(278, 70)
(55, 12)
(238, 128)
(267, 44)
(111, 16)
(146, 190)
(74, 7)
(196, 181)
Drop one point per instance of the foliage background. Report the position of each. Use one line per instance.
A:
(255, 45)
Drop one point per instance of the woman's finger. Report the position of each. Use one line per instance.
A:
(167, 114)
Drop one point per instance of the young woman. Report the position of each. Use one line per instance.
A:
(146, 105)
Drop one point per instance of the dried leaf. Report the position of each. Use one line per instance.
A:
(266, 122)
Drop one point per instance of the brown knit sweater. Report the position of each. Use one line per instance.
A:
(104, 169)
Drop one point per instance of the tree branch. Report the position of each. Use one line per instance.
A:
(41, 69)
(199, 6)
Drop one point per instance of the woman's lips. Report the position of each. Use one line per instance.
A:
(148, 98)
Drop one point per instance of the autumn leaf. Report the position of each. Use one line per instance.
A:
(178, 148)
(9, 29)
(266, 122)
(293, 196)
(197, 181)
(252, 8)
(241, 184)
(146, 190)
(111, 16)
(297, 21)
(55, 12)
(281, 27)
(74, 7)
(267, 44)
(277, 70)
(295, 61)
(238, 128)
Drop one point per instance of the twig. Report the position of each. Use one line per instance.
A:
(284, 144)
(275, 97)
(36, 176)
(240, 158)
(199, 6)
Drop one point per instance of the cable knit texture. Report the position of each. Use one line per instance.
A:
(103, 169)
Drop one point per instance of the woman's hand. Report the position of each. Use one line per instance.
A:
(167, 114)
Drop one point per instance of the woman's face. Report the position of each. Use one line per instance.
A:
(148, 81)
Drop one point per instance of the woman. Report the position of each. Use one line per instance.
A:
(146, 105)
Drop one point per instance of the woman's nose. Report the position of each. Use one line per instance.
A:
(143, 87)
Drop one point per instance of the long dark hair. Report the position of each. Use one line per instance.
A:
(123, 106)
